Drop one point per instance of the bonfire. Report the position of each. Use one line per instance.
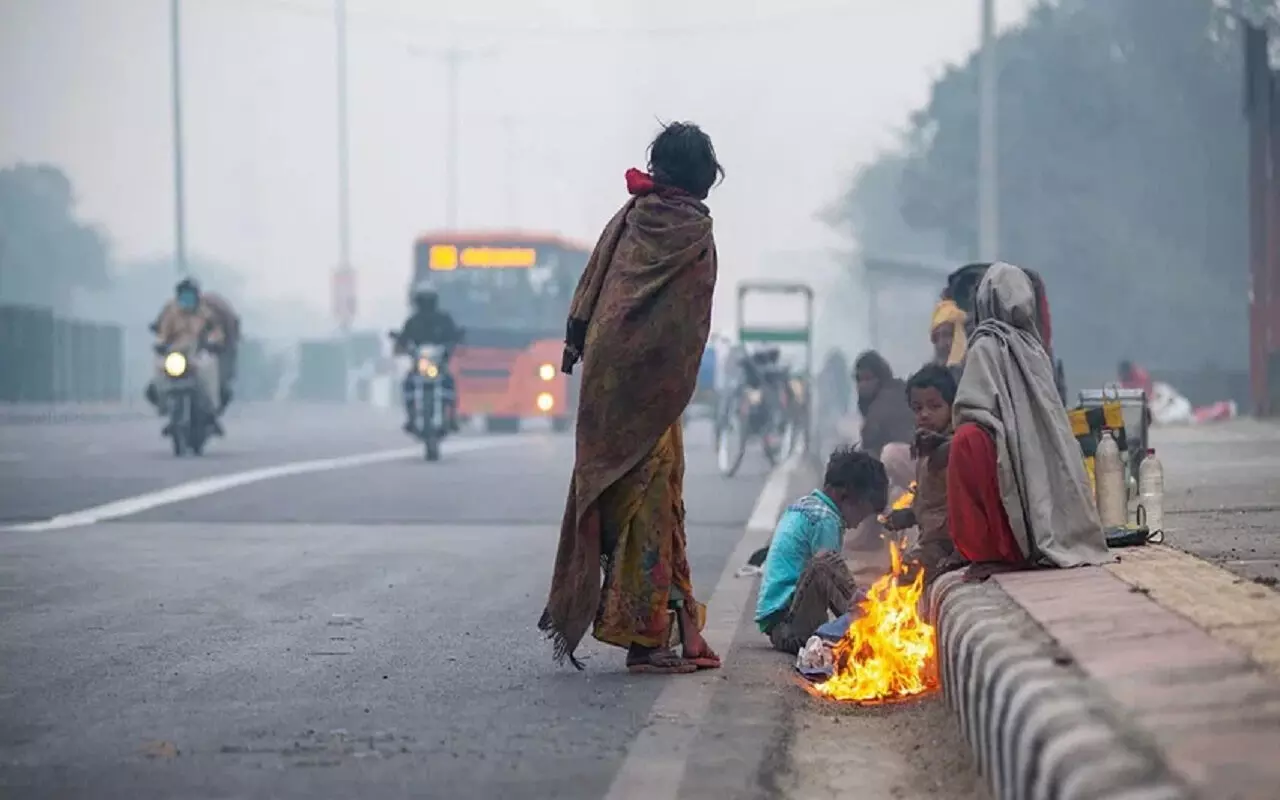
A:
(889, 651)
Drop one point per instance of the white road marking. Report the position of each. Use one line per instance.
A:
(220, 483)
(655, 764)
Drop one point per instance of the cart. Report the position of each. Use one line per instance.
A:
(1136, 418)
(799, 433)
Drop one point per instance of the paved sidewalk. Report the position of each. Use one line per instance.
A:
(1157, 676)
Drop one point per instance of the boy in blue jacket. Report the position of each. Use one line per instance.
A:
(805, 576)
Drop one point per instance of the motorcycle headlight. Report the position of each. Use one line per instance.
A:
(547, 372)
(175, 365)
(754, 396)
(427, 369)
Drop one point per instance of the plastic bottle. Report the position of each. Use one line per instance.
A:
(1109, 469)
(1151, 490)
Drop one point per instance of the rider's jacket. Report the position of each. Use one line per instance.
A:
(179, 328)
(429, 327)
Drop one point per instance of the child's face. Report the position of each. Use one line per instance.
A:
(931, 409)
(854, 509)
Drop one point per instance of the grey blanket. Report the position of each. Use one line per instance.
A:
(1008, 388)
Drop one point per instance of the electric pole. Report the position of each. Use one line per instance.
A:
(179, 187)
(988, 178)
(454, 58)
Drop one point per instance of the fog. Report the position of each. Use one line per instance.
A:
(561, 97)
(847, 129)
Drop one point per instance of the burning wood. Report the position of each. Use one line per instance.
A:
(889, 650)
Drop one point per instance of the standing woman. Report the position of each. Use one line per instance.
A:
(638, 322)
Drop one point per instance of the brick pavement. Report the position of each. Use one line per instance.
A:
(1185, 655)
(1156, 676)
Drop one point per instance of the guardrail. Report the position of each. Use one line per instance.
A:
(45, 358)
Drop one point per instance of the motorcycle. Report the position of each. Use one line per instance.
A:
(429, 396)
(185, 398)
(759, 408)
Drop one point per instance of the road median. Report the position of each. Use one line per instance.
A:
(1155, 677)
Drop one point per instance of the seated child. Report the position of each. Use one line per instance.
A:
(804, 574)
(931, 393)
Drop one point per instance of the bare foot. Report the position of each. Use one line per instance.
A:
(658, 661)
(696, 649)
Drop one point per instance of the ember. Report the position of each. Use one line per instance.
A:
(888, 652)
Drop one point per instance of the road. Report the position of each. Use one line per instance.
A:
(368, 627)
(1222, 494)
(377, 619)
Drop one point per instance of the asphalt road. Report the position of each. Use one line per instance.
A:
(353, 630)
(1222, 494)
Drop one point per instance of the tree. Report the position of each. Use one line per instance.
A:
(45, 252)
(1121, 146)
(871, 213)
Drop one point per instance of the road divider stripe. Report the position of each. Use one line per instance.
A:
(655, 763)
(204, 487)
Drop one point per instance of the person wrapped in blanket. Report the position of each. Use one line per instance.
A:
(639, 322)
(805, 576)
(1017, 492)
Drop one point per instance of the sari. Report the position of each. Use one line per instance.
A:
(638, 322)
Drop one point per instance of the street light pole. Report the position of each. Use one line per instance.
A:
(344, 175)
(509, 151)
(179, 188)
(453, 58)
(453, 61)
(988, 179)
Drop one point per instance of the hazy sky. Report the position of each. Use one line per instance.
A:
(560, 99)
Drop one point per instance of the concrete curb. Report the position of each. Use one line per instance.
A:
(1036, 725)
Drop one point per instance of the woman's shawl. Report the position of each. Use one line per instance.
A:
(639, 322)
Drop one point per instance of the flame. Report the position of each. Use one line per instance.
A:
(889, 651)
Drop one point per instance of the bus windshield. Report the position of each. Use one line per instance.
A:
(502, 286)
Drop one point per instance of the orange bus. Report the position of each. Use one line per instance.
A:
(511, 292)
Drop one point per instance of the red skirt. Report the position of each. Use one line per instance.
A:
(979, 524)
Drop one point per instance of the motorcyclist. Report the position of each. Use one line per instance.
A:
(429, 324)
(189, 322)
(228, 354)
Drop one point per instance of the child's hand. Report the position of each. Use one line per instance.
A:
(899, 520)
(927, 441)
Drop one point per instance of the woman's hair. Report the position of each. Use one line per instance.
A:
(934, 376)
(859, 475)
(682, 156)
(873, 362)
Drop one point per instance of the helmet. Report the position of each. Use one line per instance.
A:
(423, 290)
(187, 293)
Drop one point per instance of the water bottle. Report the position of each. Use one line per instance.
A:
(1151, 491)
(1109, 470)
